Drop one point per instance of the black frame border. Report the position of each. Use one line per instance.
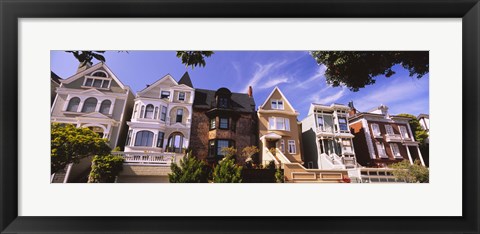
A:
(12, 10)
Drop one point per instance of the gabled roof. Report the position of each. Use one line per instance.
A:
(55, 77)
(186, 80)
(90, 70)
(161, 80)
(204, 99)
(283, 96)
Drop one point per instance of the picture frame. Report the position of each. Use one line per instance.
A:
(11, 11)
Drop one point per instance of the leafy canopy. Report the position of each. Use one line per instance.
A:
(420, 134)
(410, 173)
(227, 172)
(190, 170)
(194, 58)
(356, 69)
(86, 57)
(69, 144)
(105, 168)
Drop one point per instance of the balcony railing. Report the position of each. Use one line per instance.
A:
(158, 159)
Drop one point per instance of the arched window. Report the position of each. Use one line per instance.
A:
(179, 116)
(175, 142)
(156, 113)
(142, 110)
(73, 104)
(89, 105)
(105, 107)
(99, 74)
(144, 138)
(149, 111)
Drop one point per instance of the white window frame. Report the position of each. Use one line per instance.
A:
(169, 94)
(292, 143)
(184, 96)
(103, 79)
(377, 127)
(388, 128)
(403, 132)
(276, 104)
(397, 149)
(382, 148)
(275, 120)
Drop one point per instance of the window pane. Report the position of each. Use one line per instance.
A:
(164, 113)
(165, 94)
(287, 124)
(144, 138)
(105, 107)
(274, 105)
(156, 113)
(181, 96)
(212, 123)
(271, 122)
(224, 123)
(160, 139)
(73, 104)
(142, 111)
(149, 111)
(105, 83)
(220, 145)
(89, 105)
(89, 82)
(179, 115)
(97, 83)
(280, 104)
(280, 123)
(99, 74)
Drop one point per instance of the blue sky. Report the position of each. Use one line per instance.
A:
(295, 72)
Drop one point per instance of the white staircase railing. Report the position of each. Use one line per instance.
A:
(268, 156)
(281, 156)
(159, 159)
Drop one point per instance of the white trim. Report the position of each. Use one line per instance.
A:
(294, 147)
(284, 98)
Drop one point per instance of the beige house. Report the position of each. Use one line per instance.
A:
(279, 130)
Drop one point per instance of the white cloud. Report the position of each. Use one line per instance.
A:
(262, 72)
(319, 74)
(320, 97)
(274, 82)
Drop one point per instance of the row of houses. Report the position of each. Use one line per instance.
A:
(157, 125)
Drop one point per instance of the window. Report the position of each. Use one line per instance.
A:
(175, 142)
(181, 96)
(220, 145)
(149, 112)
(73, 104)
(279, 123)
(320, 122)
(282, 145)
(89, 105)
(346, 145)
(223, 123)
(277, 104)
(99, 74)
(165, 94)
(211, 148)
(389, 129)
(97, 83)
(144, 138)
(160, 137)
(142, 111)
(395, 150)
(156, 113)
(105, 107)
(135, 110)
(376, 130)
(105, 84)
(163, 114)
(223, 102)
(212, 123)
(89, 82)
(291, 147)
(179, 116)
(342, 122)
(403, 131)
(129, 137)
(381, 150)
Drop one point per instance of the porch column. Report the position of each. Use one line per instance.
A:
(409, 155)
(420, 156)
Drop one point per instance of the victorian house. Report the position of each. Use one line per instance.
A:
(279, 131)
(382, 139)
(92, 98)
(159, 130)
(222, 119)
(326, 138)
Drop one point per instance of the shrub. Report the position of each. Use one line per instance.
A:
(410, 173)
(105, 168)
(249, 152)
(227, 172)
(190, 170)
(279, 178)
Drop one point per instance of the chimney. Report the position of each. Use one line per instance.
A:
(353, 111)
(250, 91)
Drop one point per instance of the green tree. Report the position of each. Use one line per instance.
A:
(249, 152)
(420, 134)
(70, 144)
(105, 168)
(410, 173)
(227, 172)
(190, 170)
(356, 69)
(279, 178)
(194, 58)
(86, 57)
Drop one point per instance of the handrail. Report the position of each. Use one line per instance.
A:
(161, 159)
(282, 157)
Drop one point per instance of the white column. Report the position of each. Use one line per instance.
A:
(409, 155)
(420, 156)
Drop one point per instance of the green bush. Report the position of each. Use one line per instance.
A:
(279, 178)
(227, 172)
(105, 168)
(410, 173)
(190, 170)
